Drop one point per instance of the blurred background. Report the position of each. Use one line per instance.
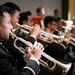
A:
(66, 7)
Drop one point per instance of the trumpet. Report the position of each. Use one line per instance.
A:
(65, 67)
(68, 28)
(51, 37)
(72, 41)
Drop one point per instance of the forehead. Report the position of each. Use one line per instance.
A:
(16, 12)
(6, 16)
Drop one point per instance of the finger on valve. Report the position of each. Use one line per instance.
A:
(37, 50)
(35, 31)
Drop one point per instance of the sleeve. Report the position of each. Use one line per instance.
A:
(55, 50)
(31, 39)
(6, 68)
(64, 45)
(32, 66)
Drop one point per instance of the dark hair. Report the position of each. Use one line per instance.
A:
(48, 19)
(38, 9)
(23, 17)
(56, 10)
(3, 10)
(13, 7)
(28, 13)
(57, 18)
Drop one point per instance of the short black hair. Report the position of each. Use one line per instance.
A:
(3, 10)
(13, 7)
(23, 17)
(38, 9)
(57, 18)
(48, 19)
(56, 10)
(28, 13)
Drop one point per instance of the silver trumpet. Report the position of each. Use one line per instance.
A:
(50, 37)
(68, 28)
(65, 67)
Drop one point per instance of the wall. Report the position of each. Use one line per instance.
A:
(31, 5)
(71, 8)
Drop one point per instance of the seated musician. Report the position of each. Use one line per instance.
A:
(58, 30)
(68, 35)
(56, 50)
(7, 62)
(9, 44)
(71, 47)
(53, 49)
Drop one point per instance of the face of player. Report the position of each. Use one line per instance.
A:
(14, 18)
(5, 27)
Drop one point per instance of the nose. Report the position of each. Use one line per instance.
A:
(11, 27)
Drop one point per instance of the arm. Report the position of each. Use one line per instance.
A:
(8, 67)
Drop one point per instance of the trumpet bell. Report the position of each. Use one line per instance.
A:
(67, 67)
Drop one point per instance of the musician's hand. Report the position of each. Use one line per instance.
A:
(35, 31)
(68, 35)
(35, 51)
(47, 30)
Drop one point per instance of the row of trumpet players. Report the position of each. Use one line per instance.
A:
(55, 45)
(16, 48)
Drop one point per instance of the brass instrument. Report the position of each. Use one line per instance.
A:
(51, 37)
(65, 67)
(68, 26)
(72, 41)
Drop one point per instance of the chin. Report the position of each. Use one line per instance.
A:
(6, 38)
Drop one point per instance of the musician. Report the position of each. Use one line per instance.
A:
(9, 44)
(71, 48)
(40, 11)
(25, 18)
(51, 26)
(67, 47)
(58, 30)
(56, 13)
(68, 35)
(53, 49)
(7, 63)
(14, 14)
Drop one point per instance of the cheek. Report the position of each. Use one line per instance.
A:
(7, 34)
(54, 27)
(14, 19)
(30, 23)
